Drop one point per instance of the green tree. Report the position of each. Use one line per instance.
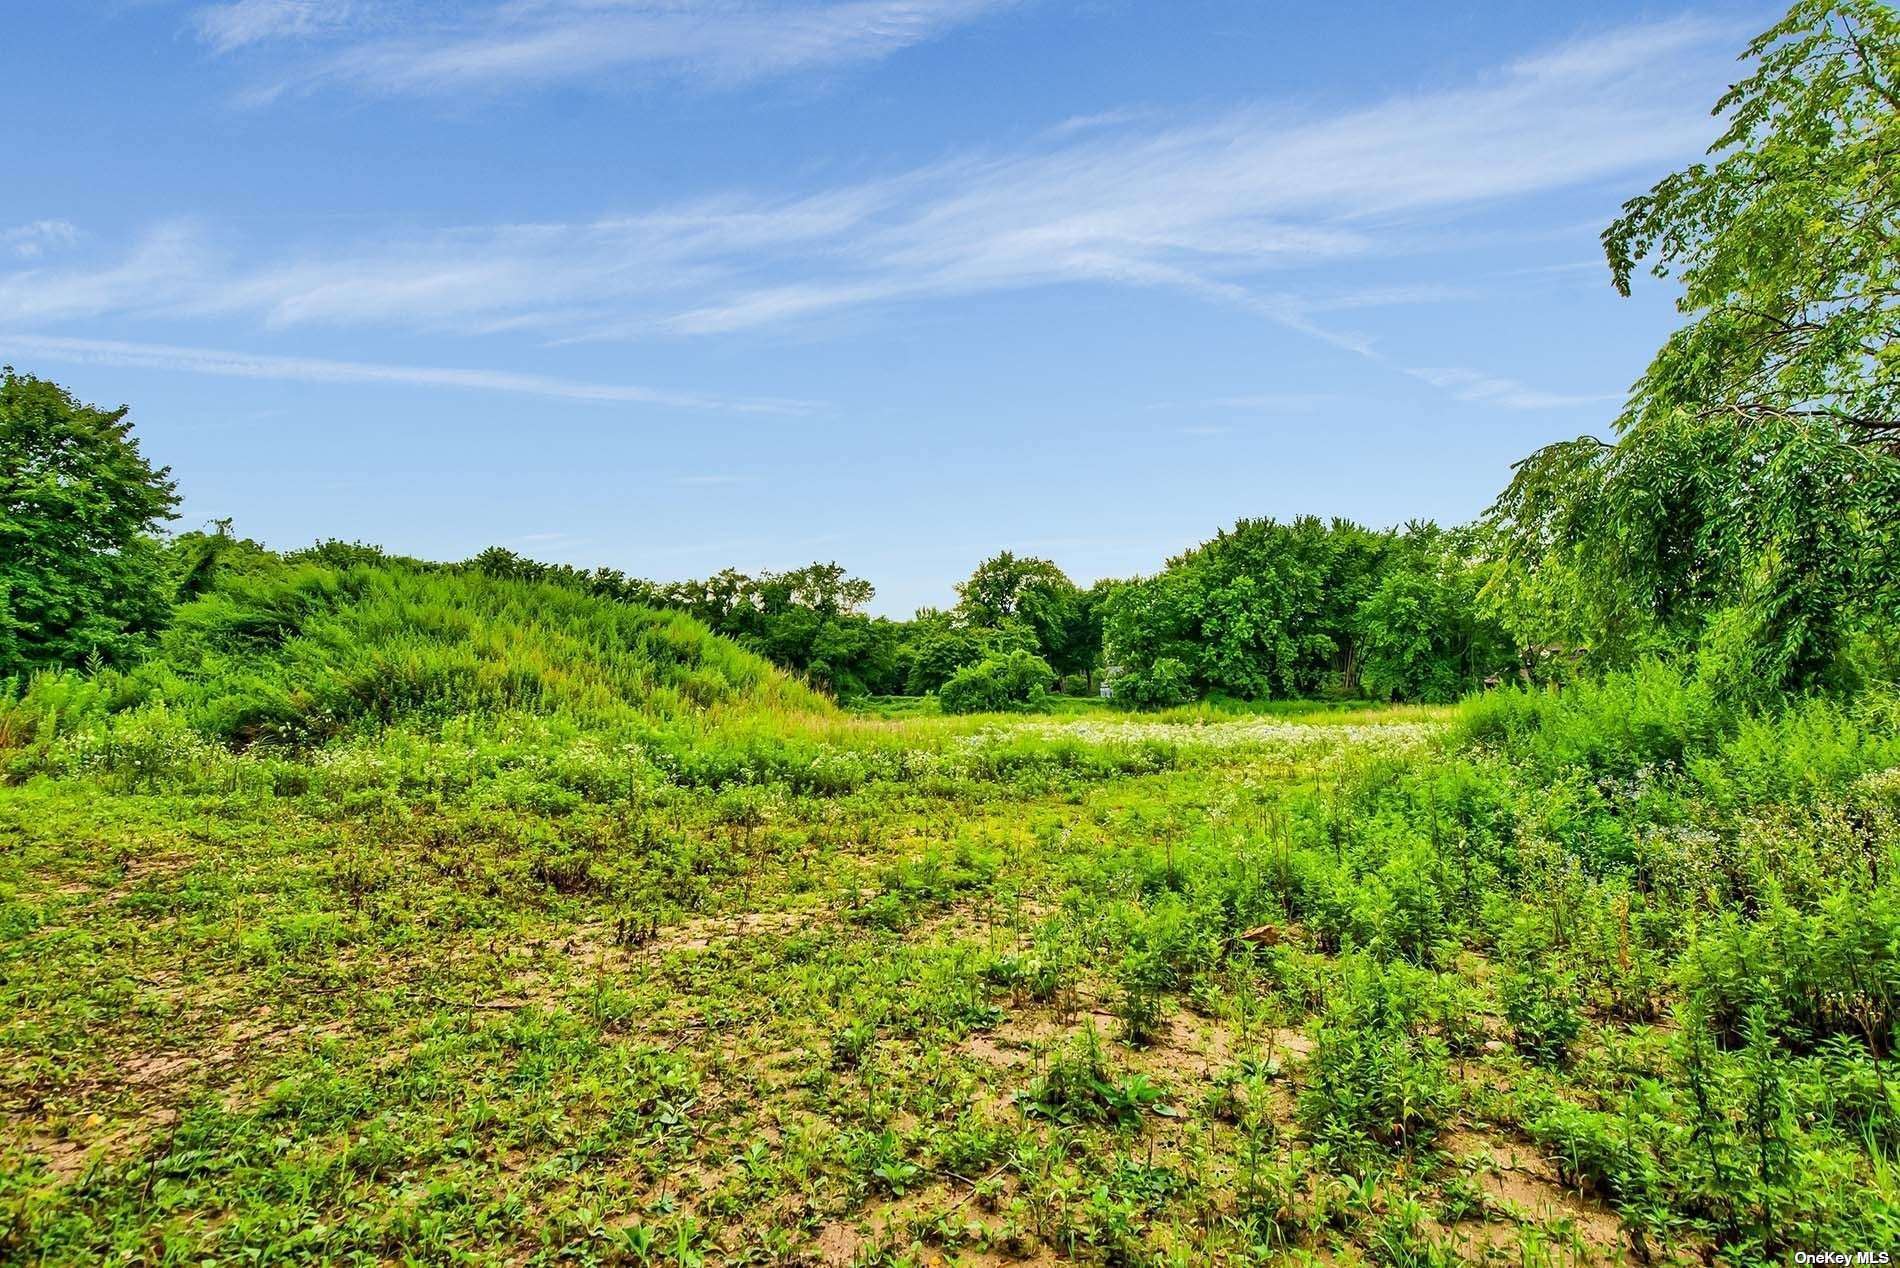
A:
(1008, 590)
(1421, 632)
(808, 620)
(1264, 609)
(505, 565)
(1007, 585)
(80, 572)
(1747, 507)
(1082, 635)
(937, 648)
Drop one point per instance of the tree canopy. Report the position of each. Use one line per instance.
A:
(1296, 609)
(81, 576)
(1747, 507)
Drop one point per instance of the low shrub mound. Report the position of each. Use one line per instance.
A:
(1010, 682)
(298, 651)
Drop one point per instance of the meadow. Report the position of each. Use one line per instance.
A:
(394, 916)
(1520, 892)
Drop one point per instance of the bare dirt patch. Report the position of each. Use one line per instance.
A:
(706, 931)
(1521, 1183)
(837, 1243)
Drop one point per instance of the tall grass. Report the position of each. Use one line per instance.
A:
(1656, 717)
(1651, 715)
(304, 653)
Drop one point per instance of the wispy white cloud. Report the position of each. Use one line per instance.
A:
(1583, 62)
(1243, 208)
(226, 27)
(246, 365)
(165, 264)
(1099, 120)
(1210, 206)
(481, 48)
(28, 241)
(1473, 385)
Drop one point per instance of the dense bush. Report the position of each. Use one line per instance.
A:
(1652, 715)
(1015, 680)
(1308, 608)
(1159, 684)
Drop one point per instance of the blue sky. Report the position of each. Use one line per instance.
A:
(676, 284)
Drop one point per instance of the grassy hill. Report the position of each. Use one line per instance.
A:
(295, 652)
(340, 672)
(305, 650)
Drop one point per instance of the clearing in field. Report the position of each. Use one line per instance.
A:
(362, 909)
(530, 951)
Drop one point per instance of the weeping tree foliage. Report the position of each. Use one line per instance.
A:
(1747, 508)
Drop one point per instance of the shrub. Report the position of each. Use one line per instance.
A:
(1016, 680)
(1078, 1086)
(1159, 686)
(1375, 1082)
(1540, 1003)
(1831, 971)
(1652, 715)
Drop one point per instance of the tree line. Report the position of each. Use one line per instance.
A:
(1263, 611)
(811, 621)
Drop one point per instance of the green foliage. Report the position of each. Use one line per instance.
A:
(1013, 681)
(1422, 633)
(1827, 968)
(1006, 587)
(1648, 716)
(1160, 684)
(1378, 1082)
(1262, 610)
(80, 576)
(1540, 1003)
(1719, 1143)
(1747, 508)
(937, 651)
(1078, 1086)
(1057, 621)
(1269, 610)
(301, 652)
(808, 620)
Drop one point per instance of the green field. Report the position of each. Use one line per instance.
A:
(386, 916)
(1522, 892)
